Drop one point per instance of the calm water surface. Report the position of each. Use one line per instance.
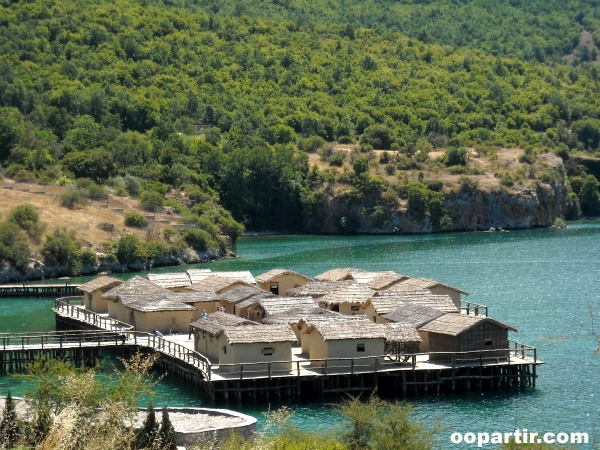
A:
(540, 281)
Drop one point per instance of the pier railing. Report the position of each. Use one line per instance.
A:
(56, 339)
(473, 309)
(63, 306)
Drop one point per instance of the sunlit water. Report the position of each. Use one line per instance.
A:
(540, 281)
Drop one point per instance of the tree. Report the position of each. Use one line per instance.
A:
(456, 156)
(166, 434)
(61, 248)
(12, 130)
(130, 249)
(360, 166)
(148, 434)
(95, 164)
(9, 427)
(84, 134)
(27, 218)
(379, 136)
(589, 199)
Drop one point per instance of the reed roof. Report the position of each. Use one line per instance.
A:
(215, 283)
(385, 280)
(275, 304)
(250, 301)
(456, 324)
(196, 275)
(170, 280)
(243, 275)
(387, 301)
(337, 274)
(309, 316)
(275, 273)
(331, 331)
(401, 332)
(424, 283)
(215, 322)
(259, 334)
(134, 286)
(154, 303)
(414, 314)
(102, 283)
(318, 289)
(352, 293)
(240, 293)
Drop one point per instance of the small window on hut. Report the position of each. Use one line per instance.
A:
(268, 351)
(355, 308)
(360, 347)
(225, 349)
(488, 341)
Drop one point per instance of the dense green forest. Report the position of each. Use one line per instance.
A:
(114, 92)
(542, 30)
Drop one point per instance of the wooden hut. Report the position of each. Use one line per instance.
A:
(337, 274)
(94, 290)
(317, 289)
(175, 282)
(462, 333)
(242, 275)
(235, 296)
(158, 312)
(387, 301)
(377, 280)
(256, 344)
(196, 275)
(435, 287)
(263, 307)
(350, 339)
(347, 300)
(203, 301)
(279, 281)
(401, 338)
(217, 284)
(207, 330)
(415, 315)
(134, 286)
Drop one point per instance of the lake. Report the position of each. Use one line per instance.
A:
(539, 281)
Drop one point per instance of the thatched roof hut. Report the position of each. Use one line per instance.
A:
(396, 333)
(170, 280)
(270, 305)
(376, 280)
(337, 274)
(243, 275)
(346, 300)
(215, 322)
(317, 289)
(414, 314)
(259, 334)
(196, 275)
(217, 284)
(240, 293)
(309, 316)
(331, 331)
(276, 273)
(424, 283)
(154, 303)
(134, 286)
(454, 334)
(387, 301)
(102, 283)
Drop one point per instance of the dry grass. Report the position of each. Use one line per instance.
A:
(84, 221)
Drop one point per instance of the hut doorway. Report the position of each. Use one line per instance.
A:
(274, 288)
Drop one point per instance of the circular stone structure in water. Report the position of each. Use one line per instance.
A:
(203, 424)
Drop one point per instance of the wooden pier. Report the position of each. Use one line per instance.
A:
(38, 290)
(401, 374)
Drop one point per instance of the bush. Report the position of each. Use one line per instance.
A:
(88, 257)
(72, 200)
(136, 220)
(90, 189)
(13, 245)
(169, 233)
(120, 191)
(27, 219)
(456, 156)
(506, 179)
(346, 139)
(337, 159)
(151, 199)
(105, 226)
(390, 169)
(61, 249)
(130, 249)
(467, 184)
(133, 185)
(199, 240)
(155, 250)
(311, 144)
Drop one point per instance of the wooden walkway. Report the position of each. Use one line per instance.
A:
(38, 290)
(399, 373)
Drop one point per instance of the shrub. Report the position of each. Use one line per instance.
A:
(152, 199)
(130, 249)
(133, 185)
(197, 239)
(136, 220)
(506, 179)
(72, 200)
(390, 169)
(311, 144)
(88, 257)
(337, 159)
(155, 250)
(61, 249)
(360, 166)
(166, 434)
(27, 219)
(467, 184)
(169, 233)
(9, 426)
(105, 226)
(346, 139)
(456, 156)
(120, 191)
(90, 189)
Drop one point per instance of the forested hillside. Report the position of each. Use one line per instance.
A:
(115, 92)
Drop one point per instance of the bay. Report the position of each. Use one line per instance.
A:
(539, 281)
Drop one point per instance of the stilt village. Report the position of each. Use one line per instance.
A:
(285, 334)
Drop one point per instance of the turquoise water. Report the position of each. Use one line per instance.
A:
(539, 281)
